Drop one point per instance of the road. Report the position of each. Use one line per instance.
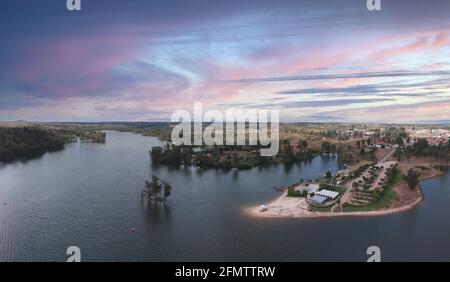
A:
(394, 147)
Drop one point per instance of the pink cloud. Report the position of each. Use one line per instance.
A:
(64, 67)
(419, 42)
(424, 111)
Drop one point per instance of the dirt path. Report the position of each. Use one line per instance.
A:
(388, 155)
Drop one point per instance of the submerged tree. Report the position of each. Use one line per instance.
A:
(157, 192)
(167, 191)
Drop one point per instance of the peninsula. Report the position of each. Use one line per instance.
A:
(387, 183)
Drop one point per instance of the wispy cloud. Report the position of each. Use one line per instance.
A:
(407, 113)
(427, 88)
(312, 103)
(341, 76)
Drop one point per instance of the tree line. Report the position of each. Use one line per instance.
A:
(23, 143)
(227, 157)
(422, 148)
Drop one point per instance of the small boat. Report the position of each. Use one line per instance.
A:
(263, 208)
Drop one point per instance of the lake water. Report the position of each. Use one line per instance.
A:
(88, 195)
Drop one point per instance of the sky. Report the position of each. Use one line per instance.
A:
(140, 60)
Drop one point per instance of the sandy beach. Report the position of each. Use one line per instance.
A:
(290, 207)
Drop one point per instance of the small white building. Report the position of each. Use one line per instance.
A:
(311, 188)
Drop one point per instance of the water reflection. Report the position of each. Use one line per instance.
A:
(157, 213)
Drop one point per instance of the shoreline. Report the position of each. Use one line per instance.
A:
(254, 211)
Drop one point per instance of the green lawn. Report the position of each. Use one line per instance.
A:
(385, 199)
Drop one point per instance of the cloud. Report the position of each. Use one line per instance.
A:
(424, 43)
(385, 89)
(341, 76)
(333, 103)
(90, 68)
(315, 103)
(143, 59)
(404, 113)
(322, 118)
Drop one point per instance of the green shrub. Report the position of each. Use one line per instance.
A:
(293, 193)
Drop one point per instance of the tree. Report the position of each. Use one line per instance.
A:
(328, 175)
(398, 155)
(157, 192)
(288, 151)
(167, 190)
(147, 190)
(303, 144)
(412, 178)
(23, 143)
(362, 151)
(155, 188)
(156, 153)
(399, 141)
(326, 147)
(421, 147)
(333, 148)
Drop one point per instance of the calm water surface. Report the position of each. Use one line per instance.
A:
(88, 195)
